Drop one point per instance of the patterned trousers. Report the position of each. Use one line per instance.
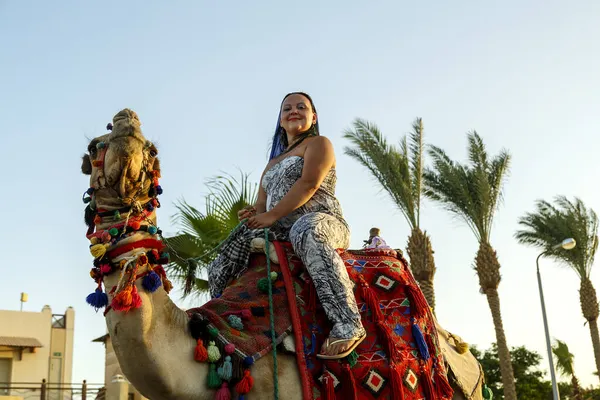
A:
(315, 238)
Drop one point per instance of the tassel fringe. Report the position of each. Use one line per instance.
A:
(349, 384)
(329, 387)
(427, 384)
(245, 385)
(418, 303)
(223, 393)
(442, 386)
(200, 353)
(397, 385)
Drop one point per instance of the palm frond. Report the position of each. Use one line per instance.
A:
(191, 249)
(550, 224)
(416, 162)
(388, 164)
(564, 358)
(471, 192)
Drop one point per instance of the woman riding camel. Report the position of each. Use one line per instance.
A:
(297, 202)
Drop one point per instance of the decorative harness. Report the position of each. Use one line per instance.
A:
(133, 254)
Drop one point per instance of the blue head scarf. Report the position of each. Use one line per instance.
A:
(280, 138)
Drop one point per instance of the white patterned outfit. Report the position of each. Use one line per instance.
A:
(316, 230)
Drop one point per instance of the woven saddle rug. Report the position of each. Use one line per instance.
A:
(399, 359)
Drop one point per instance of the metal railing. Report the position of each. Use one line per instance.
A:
(52, 391)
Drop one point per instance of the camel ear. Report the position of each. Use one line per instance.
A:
(86, 165)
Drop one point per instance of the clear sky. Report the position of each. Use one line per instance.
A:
(207, 80)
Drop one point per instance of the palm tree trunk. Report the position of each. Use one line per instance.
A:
(506, 370)
(428, 291)
(595, 341)
(422, 263)
(589, 307)
(577, 395)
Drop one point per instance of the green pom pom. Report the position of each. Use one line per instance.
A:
(213, 378)
(273, 276)
(152, 230)
(117, 215)
(113, 232)
(263, 285)
(213, 332)
(100, 145)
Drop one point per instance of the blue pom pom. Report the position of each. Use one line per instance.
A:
(90, 191)
(151, 282)
(152, 230)
(150, 207)
(98, 299)
(420, 340)
(159, 189)
(248, 361)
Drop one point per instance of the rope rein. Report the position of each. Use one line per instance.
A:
(275, 381)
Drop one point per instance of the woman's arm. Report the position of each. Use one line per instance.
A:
(319, 157)
(260, 206)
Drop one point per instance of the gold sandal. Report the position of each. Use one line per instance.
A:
(357, 341)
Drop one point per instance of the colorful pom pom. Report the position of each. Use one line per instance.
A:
(213, 378)
(229, 348)
(113, 231)
(245, 385)
(98, 299)
(225, 372)
(98, 250)
(223, 393)
(200, 353)
(213, 352)
(151, 282)
(152, 230)
(235, 322)
(213, 332)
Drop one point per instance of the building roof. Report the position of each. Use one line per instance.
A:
(15, 341)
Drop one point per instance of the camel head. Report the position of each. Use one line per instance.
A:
(123, 169)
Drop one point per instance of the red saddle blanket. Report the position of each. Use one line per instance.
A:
(399, 359)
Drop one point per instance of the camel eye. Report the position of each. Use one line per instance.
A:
(93, 152)
(153, 153)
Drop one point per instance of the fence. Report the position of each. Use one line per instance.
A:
(52, 391)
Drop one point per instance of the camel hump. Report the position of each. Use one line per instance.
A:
(126, 121)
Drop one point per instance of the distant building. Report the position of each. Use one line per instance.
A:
(35, 346)
(112, 367)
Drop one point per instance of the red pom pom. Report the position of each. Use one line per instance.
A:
(200, 353)
(245, 385)
(105, 269)
(135, 225)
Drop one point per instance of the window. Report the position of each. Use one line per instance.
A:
(58, 321)
(5, 372)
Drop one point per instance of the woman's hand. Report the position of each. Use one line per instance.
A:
(246, 212)
(263, 220)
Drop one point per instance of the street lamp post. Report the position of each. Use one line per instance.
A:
(566, 244)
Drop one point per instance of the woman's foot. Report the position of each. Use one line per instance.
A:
(339, 348)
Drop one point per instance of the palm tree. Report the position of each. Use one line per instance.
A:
(564, 365)
(202, 232)
(550, 224)
(400, 172)
(473, 192)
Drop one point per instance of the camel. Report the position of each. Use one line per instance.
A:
(150, 334)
